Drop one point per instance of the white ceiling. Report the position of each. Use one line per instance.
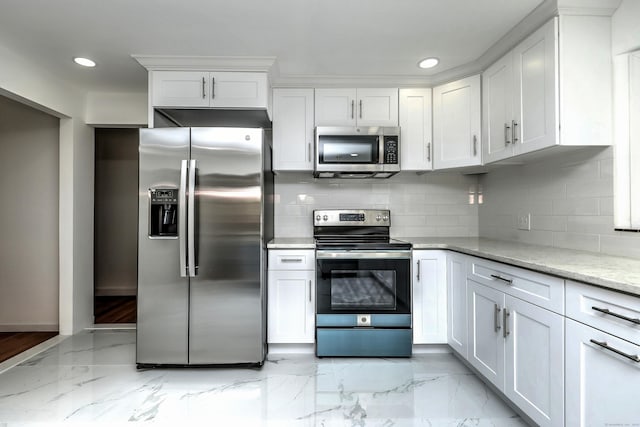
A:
(324, 38)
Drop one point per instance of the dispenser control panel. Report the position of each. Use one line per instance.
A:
(164, 195)
(163, 213)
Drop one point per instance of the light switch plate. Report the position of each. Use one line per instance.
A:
(524, 221)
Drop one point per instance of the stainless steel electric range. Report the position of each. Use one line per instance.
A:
(363, 285)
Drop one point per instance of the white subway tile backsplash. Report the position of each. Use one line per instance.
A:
(421, 205)
(579, 217)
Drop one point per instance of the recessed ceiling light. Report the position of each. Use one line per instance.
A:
(428, 63)
(85, 62)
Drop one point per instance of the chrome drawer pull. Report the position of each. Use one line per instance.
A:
(604, 345)
(291, 260)
(509, 281)
(619, 316)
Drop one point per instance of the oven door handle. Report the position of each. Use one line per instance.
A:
(337, 254)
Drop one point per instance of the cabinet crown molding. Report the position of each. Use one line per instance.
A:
(265, 64)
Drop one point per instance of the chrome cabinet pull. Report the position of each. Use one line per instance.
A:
(309, 290)
(514, 132)
(286, 260)
(508, 281)
(428, 151)
(505, 321)
(619, 316)
(418, 271)
(361, 108)
(506, 134)
(213, 87)
(496, 318)
(204, 93)
(353, 104)
(475, 145)
(603, 344)
(309, 147)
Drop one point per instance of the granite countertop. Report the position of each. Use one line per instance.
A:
(613, 272)
(292, 243)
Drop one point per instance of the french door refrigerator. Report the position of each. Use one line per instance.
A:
(205, 215)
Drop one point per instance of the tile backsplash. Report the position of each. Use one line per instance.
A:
(434, 204)
(569, 198)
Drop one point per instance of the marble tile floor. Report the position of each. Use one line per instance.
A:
(91, 379)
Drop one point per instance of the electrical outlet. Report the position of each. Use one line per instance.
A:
(524, 221)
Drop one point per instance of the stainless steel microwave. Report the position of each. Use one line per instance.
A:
(357, 152)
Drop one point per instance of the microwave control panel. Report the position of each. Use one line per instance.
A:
(390, 150)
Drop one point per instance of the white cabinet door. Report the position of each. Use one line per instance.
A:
(291, 311)
(456, 124)
(601, 383)
(415, 127)
(497, 110)
(335, 107)
(179, 88)
(534, 365)
(535, 118)
(356, 107)
(293, 129)
(239, 90)
(457, 302)
(377, 107)
(429, 297)
(485, 331)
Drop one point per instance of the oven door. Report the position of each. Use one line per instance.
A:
(355, 282)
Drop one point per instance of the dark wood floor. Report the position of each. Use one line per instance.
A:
(114, 309)
(12, 343)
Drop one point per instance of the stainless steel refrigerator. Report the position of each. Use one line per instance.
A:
(205, 215)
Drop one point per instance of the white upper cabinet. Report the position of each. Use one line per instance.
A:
(293, 129)
(627, 138)
(202, 89)
(415, 128)
(456, 124)
(549, 77)
(356, 107)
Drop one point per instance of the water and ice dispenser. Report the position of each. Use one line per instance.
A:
(163, 211)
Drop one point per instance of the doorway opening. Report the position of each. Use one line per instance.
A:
(115, 225)
(29, 225)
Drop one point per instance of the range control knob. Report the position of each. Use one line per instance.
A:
(318, 217)
(325, 217)
(385, 218)
(378, 218)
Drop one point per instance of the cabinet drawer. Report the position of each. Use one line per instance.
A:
(292, 260)
(537, 288)
(613, 312)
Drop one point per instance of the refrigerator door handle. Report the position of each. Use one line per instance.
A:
(182, 217)
(191, 220)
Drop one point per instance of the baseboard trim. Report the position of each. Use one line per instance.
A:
(431, 349)
(115, 292)
(292, 349)
(23, 327)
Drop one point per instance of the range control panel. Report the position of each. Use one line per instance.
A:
(357, 217)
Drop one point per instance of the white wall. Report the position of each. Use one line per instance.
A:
(625, 35)
(23, 80)
(421, 205)
(121, 109)
(28, 218)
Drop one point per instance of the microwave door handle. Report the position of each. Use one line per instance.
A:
(381, 149)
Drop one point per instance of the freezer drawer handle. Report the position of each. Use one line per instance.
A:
(508, 281)
(603, 344)
(619, 316)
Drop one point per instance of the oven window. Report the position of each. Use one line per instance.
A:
(348, 149)
(353, 289)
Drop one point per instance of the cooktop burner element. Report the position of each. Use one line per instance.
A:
(355, 229)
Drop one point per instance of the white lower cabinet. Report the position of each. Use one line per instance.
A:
(290, 298)
(601, 382)
(429, 297)
(457, 302)
(519, 347)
